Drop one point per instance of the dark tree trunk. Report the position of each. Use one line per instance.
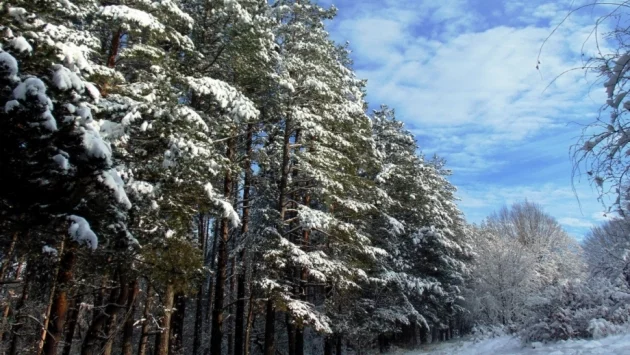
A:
(73, 317)
(146, 313)
(127, 340)
(240, 313)
(240, 287)
(177, 324)
(18, 316)
(106, 319)
(270, 322)
(424, 335)
(306, 239)
(328, 346)
(162, 342)
(59, 309)
(215, 237)
(270, 331)
(113, 51)
(111, 330)
(290, 334)
(339, 340)
(197, 337)
(216, 336)
(8, 256)
(299, 341)
(250, 322)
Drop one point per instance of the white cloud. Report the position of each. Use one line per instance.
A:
(465, 81)
(575, 222)
(477, 86)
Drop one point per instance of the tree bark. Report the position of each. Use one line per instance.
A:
(127, 340)
(73, 317)
(144, 335)
(299, 331)
(113, 51)
(8, 257)
(240, 287)
(177, 324)
(197, 337)
(215, 237)
(216, 337)
(290, 334)
(270, 322)
(328, 347)
(18, 309)
(59, 306)
(270, 331)
(164, 338)
(106, 319)
(250, 321)
(111, 329)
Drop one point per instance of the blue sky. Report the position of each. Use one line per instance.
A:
(462, 75)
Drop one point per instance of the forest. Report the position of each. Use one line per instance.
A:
(205, 177)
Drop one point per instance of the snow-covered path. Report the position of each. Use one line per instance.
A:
(506, 345)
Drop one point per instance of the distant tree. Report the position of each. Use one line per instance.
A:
(526, 223)
(520, 250)
(606, 250)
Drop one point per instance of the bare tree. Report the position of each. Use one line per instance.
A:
(520, 251)
(607, 249)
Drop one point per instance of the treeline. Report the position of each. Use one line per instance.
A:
(532, 280)
(201, 177)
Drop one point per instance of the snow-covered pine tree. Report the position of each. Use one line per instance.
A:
(417, 226)
(443, 244)
(58, 154)
(236, 46)
(168, 118)
(315, 151)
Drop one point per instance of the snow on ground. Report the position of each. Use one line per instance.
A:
(507, 345)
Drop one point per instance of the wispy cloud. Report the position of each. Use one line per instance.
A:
(462, 75)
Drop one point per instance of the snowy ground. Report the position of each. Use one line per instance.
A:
(506, 345)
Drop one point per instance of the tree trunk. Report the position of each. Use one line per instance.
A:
(177, 325)
(270, 331)
(328, 348)
(424, 335)
(299, 331)
(113, 51)
(127, 340)
(250, 322)
(73, 317)
(270, 322)
(59, 307)
(106, 319)
(111, 329)
(339, 340)
(215, 236)
(8, 256)
(163, 338)
(290, 334)
(146, 313)
(197, 337)
(216, 337)
(240, 287)
(18, 309)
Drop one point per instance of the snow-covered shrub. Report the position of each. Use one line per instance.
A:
(599, 328)
(577, 309)
(482, 332)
